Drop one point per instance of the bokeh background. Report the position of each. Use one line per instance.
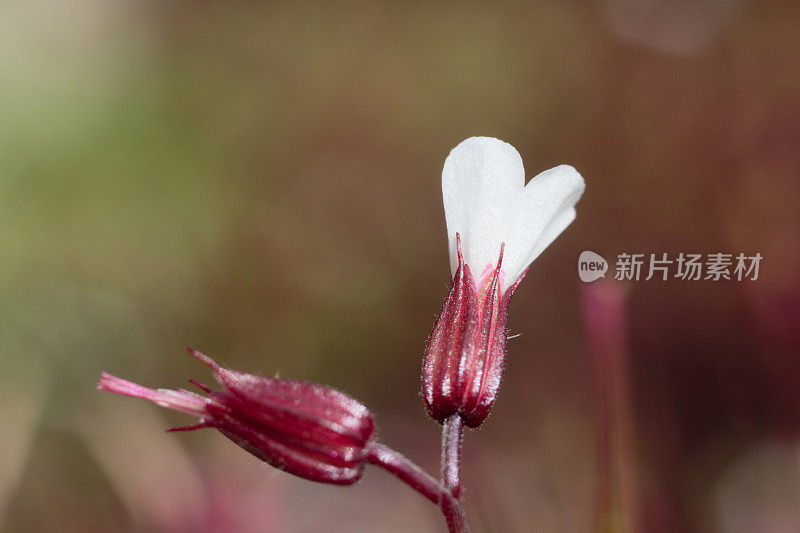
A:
(261, 181)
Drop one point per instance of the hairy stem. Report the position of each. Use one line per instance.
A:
(451, 505)
(408, 472)
(443, 495)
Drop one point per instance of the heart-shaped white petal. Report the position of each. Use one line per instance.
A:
(487, 202)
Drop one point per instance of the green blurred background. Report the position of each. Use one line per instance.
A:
(261, 182)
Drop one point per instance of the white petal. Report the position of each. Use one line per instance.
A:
(480, 178)
(487, 202)
(547, 208)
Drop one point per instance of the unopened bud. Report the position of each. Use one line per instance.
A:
(307, 429)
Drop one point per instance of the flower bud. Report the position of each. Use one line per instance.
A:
(465, 355)
(307, 429)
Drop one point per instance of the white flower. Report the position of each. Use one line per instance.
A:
(487, 202)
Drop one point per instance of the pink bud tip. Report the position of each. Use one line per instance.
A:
(183, 401)
(123, 387)
(204, 358)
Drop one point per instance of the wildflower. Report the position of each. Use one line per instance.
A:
(496, 226)
(307, 429)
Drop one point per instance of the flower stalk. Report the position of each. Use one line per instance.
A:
(452, 507)
(404, 469)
